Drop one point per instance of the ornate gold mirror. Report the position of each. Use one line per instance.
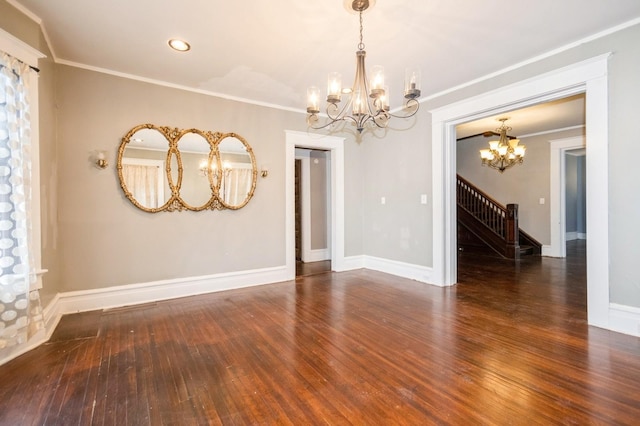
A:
(195, 155)
(165, 169)
(239, 171)
(142, 167)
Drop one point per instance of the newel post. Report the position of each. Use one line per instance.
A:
(512, 231)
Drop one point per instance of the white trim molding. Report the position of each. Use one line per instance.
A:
(353, 262)
(590, 77)
(573, 235)
(19, 49)
(624, 319)
(419, 273)
(135, 294)
(316, 255)
(546, 251)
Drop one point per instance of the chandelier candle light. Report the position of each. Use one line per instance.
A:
(368, 99)
(504, 153)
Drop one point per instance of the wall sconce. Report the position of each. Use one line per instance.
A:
(264, 172)
(101, 160)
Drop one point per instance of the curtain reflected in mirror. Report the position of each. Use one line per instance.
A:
(239, 171)
(144, 178)
(236, 183)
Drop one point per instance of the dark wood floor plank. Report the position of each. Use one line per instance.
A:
(509, 344)
(81, 325)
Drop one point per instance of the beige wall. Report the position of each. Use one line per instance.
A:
(51, 249)
(23, 28)
(107, 241)
(398, 168)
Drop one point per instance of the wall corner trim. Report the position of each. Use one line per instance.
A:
(419, 273)
(624, 319)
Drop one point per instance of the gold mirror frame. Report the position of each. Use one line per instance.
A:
(214, 170)
(254, 171)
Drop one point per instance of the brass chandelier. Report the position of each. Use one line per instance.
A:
(368, 100)
(504, 153)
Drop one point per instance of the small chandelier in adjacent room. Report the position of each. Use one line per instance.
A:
(504, 153)
(368, 100)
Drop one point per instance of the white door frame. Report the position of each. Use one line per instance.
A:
(557, 193)
(590, 77)
(334, 144)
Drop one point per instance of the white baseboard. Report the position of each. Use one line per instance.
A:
(548, 251)
(401, 269)
(135, 294)
(624, 319)
(351, 263)
(317, 255)
(570, 236)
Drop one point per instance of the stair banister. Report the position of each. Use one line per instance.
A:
(512, 231)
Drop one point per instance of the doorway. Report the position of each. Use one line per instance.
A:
(589, 77)
(313, 211)
(335, 146)
(575, 195)
(545, 186)
(560, 148)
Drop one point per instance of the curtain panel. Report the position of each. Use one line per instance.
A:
(142, 181)
(20, 309)
(236, 184)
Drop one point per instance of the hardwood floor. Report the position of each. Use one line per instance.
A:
(508, 345)
(311, 268)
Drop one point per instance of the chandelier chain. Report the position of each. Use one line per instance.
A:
(361, 44)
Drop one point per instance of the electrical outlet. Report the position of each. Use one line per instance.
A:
(383, 200)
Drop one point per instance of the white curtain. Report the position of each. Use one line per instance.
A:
(142, 181)
(236, 185)
(20, 309)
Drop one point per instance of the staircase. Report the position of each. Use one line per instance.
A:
(483, 222)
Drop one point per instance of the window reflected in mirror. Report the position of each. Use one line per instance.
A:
(238, 171)
(145, 179)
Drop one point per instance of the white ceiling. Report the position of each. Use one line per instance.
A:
(271, 51)
(560, 114)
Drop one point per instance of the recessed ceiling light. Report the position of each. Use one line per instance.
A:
(179, 45)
